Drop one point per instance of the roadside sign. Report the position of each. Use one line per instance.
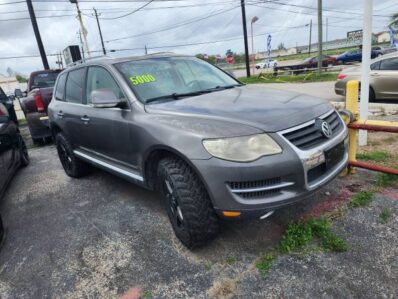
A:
(355, 35)
(230, 59)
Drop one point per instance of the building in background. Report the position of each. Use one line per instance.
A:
(9, 84)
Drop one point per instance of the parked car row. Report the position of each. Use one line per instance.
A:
(383, 78)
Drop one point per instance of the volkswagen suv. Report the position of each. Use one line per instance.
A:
(212, 146)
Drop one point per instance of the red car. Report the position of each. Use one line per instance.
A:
(34, 105)
(309, 63)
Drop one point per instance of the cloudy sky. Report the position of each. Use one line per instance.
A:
(183, 26)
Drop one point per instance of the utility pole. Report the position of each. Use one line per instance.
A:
(99, 29)
(309, 44)
(37, 34)
(82, 28)
(320, 29)
(79, 33)
(365, 67)
(146, 50)
(242, 3)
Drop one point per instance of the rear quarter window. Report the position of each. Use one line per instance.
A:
(390, 64)
(75, 85)
(60, 88)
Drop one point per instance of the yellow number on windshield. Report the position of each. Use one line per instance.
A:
(136, 80)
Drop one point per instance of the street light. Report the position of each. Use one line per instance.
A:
(254, 19)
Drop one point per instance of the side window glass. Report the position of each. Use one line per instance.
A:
(74, 86)
(389, 64)
(99, 78)
(60, 89)
(375, 66)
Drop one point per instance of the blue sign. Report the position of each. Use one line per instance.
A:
(392, 39)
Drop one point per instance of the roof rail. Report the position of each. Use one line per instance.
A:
(77, 62)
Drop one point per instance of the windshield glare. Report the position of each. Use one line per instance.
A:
(159, 77)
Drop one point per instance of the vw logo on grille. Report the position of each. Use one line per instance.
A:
(326, 129)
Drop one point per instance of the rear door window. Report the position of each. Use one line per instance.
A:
(60, 89)
(75, 85)
(389, 64)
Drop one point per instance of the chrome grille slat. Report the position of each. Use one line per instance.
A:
(258, 189)
(308, 136)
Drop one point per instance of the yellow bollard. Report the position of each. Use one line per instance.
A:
(352, 95)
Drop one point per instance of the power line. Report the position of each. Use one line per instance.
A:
(173, 26)
(15, 2)
(127, 14)
(39, 17)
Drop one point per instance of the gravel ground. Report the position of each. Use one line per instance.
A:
(98, 236)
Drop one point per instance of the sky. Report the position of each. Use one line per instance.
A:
(182, 26)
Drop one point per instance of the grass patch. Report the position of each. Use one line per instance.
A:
(264, 264)
(385, 215)
(298, 235)
(377, 156)
(208, 266)
(385, 179)
(22, 122)
(270, 78)
(147, 294)
(230, 260)
(361, 199)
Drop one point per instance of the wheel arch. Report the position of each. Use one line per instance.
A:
(152, 159)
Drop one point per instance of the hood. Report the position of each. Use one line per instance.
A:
(267, 109)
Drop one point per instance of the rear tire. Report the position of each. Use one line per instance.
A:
(73, 166)
(188, 205)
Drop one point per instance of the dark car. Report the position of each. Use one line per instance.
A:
(309, 63)
(13, 153)
(34, 105)
(7, 101)
(356, 56)
(212, 146)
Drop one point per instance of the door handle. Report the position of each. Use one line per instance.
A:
(85, 119)
(60, 114)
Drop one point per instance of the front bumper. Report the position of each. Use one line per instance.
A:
(270, 182)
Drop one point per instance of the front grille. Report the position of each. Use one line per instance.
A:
(310, 136)
(258, 189)
(254, 184)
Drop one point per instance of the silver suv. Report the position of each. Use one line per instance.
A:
(212, 146)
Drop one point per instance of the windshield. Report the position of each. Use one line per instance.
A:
(44, 80)
(162, 77)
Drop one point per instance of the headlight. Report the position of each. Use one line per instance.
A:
(242, 149)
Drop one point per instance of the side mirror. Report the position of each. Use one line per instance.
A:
(18, 93)
(105, 98)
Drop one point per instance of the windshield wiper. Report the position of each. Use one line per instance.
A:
(175, 96)
(190, 94)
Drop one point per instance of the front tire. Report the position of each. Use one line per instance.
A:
(188, 205)
(73, 166)
(23, 153)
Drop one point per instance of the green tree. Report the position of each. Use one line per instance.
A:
(281, 46)
(21, 79)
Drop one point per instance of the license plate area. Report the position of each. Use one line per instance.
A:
(333, 157)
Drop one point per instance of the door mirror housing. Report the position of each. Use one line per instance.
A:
(18, 93)
(105, 98)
